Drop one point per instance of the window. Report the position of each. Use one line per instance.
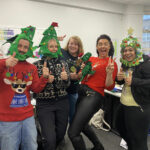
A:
(146, 35)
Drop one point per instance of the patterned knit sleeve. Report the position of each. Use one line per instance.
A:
(39, 67)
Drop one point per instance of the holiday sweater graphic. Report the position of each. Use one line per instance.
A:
(18, 86)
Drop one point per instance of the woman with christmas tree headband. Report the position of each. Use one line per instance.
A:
(133, 116)
(91, 94)
(52, 102)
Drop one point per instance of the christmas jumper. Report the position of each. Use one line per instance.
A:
(15, 86)
(97, 80)
(57, 89)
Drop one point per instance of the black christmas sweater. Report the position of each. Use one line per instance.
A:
(57, 89)
(72, 62)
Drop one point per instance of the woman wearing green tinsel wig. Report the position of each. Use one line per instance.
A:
(52, 102)
(133, 117)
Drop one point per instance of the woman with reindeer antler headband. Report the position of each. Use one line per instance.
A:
(17, 79)
(52, 103)
(133, 115)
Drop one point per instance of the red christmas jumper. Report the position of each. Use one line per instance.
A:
(97, 81)
(15, 86)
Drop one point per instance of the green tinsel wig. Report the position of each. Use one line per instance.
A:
(49, 34)
(26, 34)
(133, 42)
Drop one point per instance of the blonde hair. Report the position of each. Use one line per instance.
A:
(78, 40)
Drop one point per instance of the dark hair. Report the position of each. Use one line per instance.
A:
(104, 36)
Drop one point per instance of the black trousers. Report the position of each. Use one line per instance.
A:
(133, 125)
(53, 119)
(88, 103)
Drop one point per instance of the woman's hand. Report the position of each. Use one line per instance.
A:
(82, 66)
(73, 76)
(110, 66)
(61, 38)
(64, 75)
(45, 70)
(50, 78)
(120, 75)
(109, 72)
(128, 80)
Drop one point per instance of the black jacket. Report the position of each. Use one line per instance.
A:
(140, 86)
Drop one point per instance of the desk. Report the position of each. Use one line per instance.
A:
(111, 104)
(117, 94)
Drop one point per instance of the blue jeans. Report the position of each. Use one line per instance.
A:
(72, 103)
(19, 133)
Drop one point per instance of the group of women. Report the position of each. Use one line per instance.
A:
(85, 99)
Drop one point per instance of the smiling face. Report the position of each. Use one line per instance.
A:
(52, 46)
(73, 47)
(23, 46)
(103, 47)
(129, 53)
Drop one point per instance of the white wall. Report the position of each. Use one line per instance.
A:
(84, 22)
(133, 17)
(85, 18)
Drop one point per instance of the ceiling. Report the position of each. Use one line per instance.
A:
(140, 2)
(128, 2)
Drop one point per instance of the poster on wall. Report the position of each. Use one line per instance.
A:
(4, 35)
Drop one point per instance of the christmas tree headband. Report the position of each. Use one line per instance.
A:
(48, 35)
(133, 42)
(26, 34)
